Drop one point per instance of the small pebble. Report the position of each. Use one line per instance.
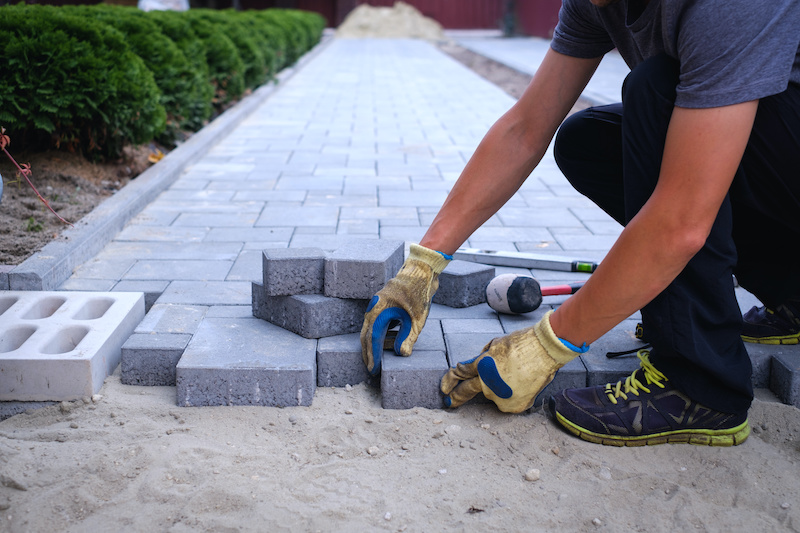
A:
(348, 387)
(533, 474)
(373, 450)
(293, 419)
(556, 450)
(597, 522)
(387, 516)
(74, 425)
(348, 412)
(485, 426)
(785, 505)
(443, 471)
(605, 473)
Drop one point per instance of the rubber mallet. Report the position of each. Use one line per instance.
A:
(514, 294)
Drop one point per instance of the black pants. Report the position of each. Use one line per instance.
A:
(612, 154)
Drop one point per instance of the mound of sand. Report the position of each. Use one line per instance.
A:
(400, 21)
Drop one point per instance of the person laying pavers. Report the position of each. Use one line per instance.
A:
(699, 163)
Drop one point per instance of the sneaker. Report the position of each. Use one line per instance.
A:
(644, 409)
(768, 326)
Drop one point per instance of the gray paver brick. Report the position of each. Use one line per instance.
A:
(312, 316)
(362, 267)
(245, 361)
(571, 376)
(339, 361)
(603, 370)
(289, 271)
(151, 289)
(150, 359)
(413, 381)
(172, 318)
(463, 284)
(761, 359)
(785, 375)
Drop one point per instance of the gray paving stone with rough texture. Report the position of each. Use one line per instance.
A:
(785, 377)
(312, 316)
(360, 268)
(601, 369)
(152, 290)
(463, 284)
(245, 361)
(570, 376)
(761, 358)
(150, 358)
(291, 271)
(413, 381)
(339, 361)
(4, 270)
(9, 409)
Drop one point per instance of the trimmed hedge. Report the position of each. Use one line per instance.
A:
(94, 78)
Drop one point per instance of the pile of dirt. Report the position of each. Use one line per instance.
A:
(397, 22)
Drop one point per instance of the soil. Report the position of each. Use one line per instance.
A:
(72, 185)
(75, 186)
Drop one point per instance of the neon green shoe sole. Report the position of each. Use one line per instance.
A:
(699, 437)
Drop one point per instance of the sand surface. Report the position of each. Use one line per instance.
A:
(132, 461)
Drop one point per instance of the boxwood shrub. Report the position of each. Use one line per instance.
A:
(73, 83)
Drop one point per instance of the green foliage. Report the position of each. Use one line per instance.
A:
(255, 65)
(180, 31)
(93, 78)
(172, 72)
(73, 83)
(33, 226)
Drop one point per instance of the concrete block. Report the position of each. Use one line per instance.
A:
(472, 325)
(413, 381)
(9, 409)
(601, 369)
(570, 376)
(785, 375)
(339, 361)
(245, 361)
(152, 290)
(312, 316)
(172, 318)
(362, 267)
(465, 346)
(150, 358)
(62, 345)
(4, 270)
(761, 359)
(463, 284)
(290, 271)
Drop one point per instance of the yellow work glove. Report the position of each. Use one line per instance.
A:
(406, 299)
(511, 370)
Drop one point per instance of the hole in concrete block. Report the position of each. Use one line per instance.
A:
(6, 303)
(65, 340)
(44, 308)
(15, 337)
(94, 309)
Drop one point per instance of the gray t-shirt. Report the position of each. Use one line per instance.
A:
(730, 51)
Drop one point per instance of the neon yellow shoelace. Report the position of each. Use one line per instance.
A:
(632, 385)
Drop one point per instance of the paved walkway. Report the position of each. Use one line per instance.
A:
(364, 142)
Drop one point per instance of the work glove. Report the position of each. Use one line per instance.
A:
(511, 370)
(406, 299)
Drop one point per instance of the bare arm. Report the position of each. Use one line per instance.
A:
(510, 150)
(702, 152)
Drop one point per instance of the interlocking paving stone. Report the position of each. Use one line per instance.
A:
(246, 361)
(463, 284)
(362, 267)
(312, 316)
(412, 381)
(290, 271)
(150, 359)
(603, 370)
(151, 289)
(172, 318)
(339, 361)
(785, 378)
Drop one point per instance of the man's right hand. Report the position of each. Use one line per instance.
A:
(406, 299)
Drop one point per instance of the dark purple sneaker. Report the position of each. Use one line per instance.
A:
(644, 409)
(772, 326)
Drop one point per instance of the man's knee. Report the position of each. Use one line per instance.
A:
(652, 82)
